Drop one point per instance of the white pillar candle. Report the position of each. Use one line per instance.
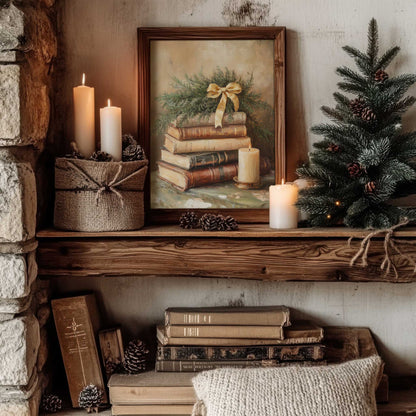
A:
(110, 123)
(249, 165)
(84, 121)
(282, 209)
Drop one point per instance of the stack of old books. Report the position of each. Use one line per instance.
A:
(206, 338)
(196, 153)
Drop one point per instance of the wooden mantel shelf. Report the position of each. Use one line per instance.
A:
(253, 252)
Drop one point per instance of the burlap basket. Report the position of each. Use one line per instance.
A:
(99, 196)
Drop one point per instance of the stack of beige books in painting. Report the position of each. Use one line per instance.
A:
(196, 153)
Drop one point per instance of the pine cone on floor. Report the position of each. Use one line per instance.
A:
(100, 156)
(368, 114)
(355, 170)
(51, 403)
(227, 223)
(333, 148)
(133, 152)
(357, 106)
(370, 187)
(209, 222)
(189, 220)
(128, 140)
(381, 76)
(90, 398)
(135, 357)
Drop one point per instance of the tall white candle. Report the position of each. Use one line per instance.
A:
(249, 165)
(282, 209)
(110, 126)
(84, 121)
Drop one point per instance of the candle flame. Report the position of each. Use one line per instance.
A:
(283, 181)
(83, 79)
(109, 103)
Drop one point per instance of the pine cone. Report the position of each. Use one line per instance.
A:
(227, 223)
(368, 115)
(75, 152)
(355, 170)
(381, 76)
(357, 106)
(133, 152)
(135, 357)
(209, 222)
(370, 187)
(188, 220)
(100, 156)
(90, 398)
(51, 403)
(333, 148)
(128, 140)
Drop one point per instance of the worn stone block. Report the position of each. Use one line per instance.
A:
(8, 393)
(24, 107)
(21, 407)
(11, 307)
(17, 273)
(19, 345)
(17, 201)
(11, 33)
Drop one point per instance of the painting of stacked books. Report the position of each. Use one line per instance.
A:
(212, 139)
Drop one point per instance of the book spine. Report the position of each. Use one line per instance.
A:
(198, 365)
(212, 159)
(238, 117)
(210, 145)
(279, 353)
(211, 175)
(224, 331)
(207, 132)
(278, 318)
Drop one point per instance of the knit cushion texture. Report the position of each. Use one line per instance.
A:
(346, 389)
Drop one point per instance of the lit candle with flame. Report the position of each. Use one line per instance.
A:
(249, 165)
(283, 213)
(84, 120)
(110, 127)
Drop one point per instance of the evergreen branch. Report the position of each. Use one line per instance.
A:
(387, 58)
(333, 114)
(401, 106)
(341, 99)
(372, 50)
(352, 77)
(360, 58)
(352, 88)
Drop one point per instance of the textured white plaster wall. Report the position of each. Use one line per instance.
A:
(100, 39)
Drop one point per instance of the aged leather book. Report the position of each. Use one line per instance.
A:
(157, 409)
(251, 315)
(238, 117)
(207, 132)
(112, 350)
(205, 145)
(224, 331)
(190, 161)
(302, 352)
(77, 323)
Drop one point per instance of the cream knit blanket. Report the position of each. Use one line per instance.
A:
(337, 390)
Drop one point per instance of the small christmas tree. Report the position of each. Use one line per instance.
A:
(365, 158)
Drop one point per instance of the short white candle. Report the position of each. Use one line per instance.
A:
(249, 165)
(84, 120)
(110, 126)
(283, 213)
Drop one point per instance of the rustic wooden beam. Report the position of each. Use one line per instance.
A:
(278, 259)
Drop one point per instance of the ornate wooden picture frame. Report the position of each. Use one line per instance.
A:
(251, 63)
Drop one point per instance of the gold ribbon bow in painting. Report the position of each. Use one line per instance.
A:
(230, 91)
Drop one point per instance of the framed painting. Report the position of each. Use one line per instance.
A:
(212, 119)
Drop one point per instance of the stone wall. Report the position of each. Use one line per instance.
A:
(27, 49)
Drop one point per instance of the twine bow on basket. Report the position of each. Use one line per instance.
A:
(229, 91)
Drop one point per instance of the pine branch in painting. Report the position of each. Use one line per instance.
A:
(365, 158)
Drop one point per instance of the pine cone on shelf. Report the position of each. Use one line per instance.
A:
(370, 187)
(333, 148)
(355, 170)
(51, 403)
(128, 140)
(135, 357)
(189, 220)
(357, 106)
(209, 222)
(100, 156)
(368, 114)
(133, 152)
(227, 223)
(90, 398)
(381, 76)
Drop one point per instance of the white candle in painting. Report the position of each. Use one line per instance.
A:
(282, 209)
(110, 126)
(84, 121)
(248, 165)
